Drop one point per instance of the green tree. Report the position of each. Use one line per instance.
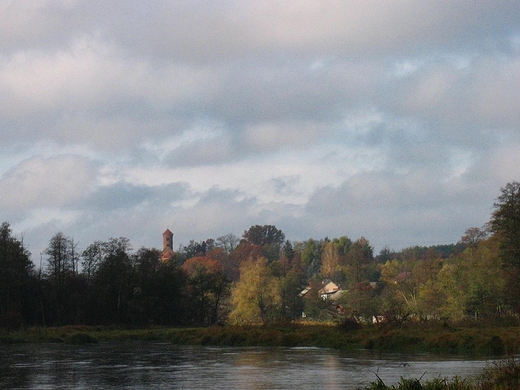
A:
(112, 282)
(291, 285)
(62, 259)
(314, 304)
(145, 263)
(207, 289)
(474, 282)
(399, 292)
(228, 242)
(343, 245)
(310, 251)
(169, 293)
(268, 238)
(92, 257)
(429, 294)
(359, 260)
(505, 222)
(16, 274)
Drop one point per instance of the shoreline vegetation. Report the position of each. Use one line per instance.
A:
(491, 339)
(497, 341)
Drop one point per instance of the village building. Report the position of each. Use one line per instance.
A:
(167, 252)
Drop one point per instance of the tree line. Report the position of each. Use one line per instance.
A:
(260, 277)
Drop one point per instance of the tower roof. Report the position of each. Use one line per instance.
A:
(167, 231)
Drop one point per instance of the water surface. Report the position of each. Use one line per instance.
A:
(161, 365)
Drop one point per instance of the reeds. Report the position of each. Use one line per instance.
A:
(416, 384)
(501, 375)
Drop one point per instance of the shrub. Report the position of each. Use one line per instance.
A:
(80, 339)
(503, 375)
(349, 324)
(496, 345)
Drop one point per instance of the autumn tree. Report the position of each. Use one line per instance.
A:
(256, 297)
(474, 235)
(330, 261)
(242, 253)
(362, 301)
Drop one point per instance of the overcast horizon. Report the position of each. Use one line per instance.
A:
(397, 121)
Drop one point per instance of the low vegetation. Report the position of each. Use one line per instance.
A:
(502, 375)
(495, 339)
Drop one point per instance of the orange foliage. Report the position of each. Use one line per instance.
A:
(191, 266)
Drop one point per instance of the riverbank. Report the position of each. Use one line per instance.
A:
(430, 336)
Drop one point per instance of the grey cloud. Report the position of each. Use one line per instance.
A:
(394, 120)
(479, 96)
(38, 182)
(198, 30)
(204, 152)
(127, 196)
(217, 212)
(286, 185)
(201, 31)
(402, 211)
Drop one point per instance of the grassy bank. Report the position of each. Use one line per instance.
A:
(433, 336)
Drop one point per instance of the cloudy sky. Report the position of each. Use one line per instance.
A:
(394, 120)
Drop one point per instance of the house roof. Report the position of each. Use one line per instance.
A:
(329, 288)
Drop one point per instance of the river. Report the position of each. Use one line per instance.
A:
(161, 365)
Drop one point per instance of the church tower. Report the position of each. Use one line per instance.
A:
(167, 252)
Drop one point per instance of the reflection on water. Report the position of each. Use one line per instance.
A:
(159, 365)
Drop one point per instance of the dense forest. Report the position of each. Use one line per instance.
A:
(260, 277)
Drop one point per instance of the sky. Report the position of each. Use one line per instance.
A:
(397, 121)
